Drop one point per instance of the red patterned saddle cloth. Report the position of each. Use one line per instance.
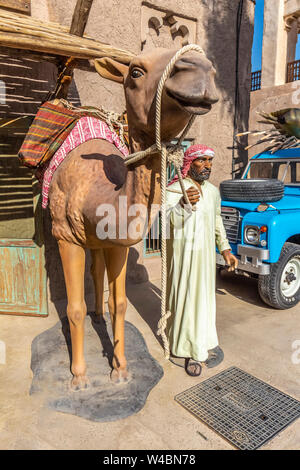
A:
(52, 125)
(59, 128)
(87, 128)
(48, 131)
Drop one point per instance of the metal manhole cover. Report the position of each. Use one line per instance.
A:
(243, 409)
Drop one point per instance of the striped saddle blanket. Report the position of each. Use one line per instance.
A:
(59, 128)
(48, 131)
(87, 128)
(52, 125)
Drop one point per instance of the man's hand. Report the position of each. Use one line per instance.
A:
(230, 260)
(193, 195)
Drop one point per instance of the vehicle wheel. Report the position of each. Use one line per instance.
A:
(281, 288)
(252, 190)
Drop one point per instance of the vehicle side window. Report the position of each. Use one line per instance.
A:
(271, 169)
(281, 171)
(260, 170)
(293, 175)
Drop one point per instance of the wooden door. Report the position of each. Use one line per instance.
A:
(24, 82)
(22, 265)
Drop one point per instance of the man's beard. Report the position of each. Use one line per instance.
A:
(199, 177)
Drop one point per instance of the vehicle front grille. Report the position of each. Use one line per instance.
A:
(231, 220)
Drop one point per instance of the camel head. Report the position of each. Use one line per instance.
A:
(189, 90)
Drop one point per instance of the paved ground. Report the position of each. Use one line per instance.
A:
(254, 337)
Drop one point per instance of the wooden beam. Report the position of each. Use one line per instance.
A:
(17, 18)
(18, 5)
(52, 47)
(21, 32)
(81, 64)
(80, 17)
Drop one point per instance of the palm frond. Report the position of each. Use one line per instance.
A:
(282, 135)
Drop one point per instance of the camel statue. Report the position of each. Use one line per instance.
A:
(94, 174)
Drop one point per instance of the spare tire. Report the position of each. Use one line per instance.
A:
(252, 190)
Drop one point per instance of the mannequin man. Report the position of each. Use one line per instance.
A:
(191, 250)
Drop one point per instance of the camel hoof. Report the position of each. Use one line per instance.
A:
(120, 377)
(79, 383)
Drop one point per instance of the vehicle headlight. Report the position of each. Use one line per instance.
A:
(252, 235)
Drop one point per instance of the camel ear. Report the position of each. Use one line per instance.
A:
(111, 69)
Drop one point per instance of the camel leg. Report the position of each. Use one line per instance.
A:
(116, 263)
(98, 271)
(73, 261)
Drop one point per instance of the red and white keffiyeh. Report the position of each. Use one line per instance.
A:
(191, 154)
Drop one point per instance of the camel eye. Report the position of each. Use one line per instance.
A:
(136, 73)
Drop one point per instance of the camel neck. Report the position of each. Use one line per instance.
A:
(142, 184)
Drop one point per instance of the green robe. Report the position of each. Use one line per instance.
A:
(191, 254)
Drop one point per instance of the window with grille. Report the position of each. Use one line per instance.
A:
(152, 243)
(293, 71)
(256, 80)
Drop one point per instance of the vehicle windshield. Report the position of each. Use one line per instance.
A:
(286, 171)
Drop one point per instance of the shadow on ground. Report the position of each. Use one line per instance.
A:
(104, 401)
(243, 288)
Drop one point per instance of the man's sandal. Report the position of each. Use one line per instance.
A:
(192, 367)
(215, 357)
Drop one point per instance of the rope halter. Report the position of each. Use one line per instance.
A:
(171, 154)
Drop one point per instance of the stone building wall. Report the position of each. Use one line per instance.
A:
(138, 25)
(280, 35)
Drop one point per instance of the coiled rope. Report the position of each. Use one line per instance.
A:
(169, 154)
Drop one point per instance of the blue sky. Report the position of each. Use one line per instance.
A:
(258, 35)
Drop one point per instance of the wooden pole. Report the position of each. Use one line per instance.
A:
(79, 21)
(80, 17)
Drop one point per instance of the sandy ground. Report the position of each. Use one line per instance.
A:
(254, 337)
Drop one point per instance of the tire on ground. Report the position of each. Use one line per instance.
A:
(252, 190)
(269, 287)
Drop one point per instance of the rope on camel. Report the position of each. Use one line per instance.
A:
(173, 154)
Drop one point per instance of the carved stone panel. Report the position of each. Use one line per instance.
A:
(164, 28)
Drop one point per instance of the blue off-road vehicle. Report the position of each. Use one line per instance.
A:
(261, 215)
